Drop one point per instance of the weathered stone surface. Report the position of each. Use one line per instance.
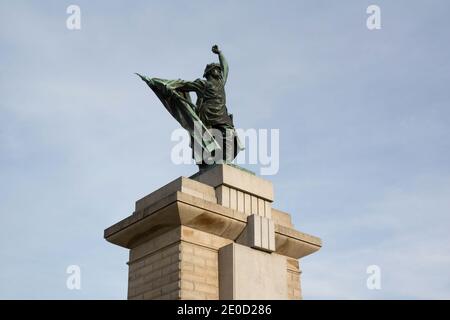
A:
(259, 233)
(237, 179)
(182, 184)
(246, 273)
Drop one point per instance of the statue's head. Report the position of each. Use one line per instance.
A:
(213, 70)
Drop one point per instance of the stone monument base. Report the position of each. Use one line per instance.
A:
(214, 235)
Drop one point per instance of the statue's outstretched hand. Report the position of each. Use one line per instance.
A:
(215, 49)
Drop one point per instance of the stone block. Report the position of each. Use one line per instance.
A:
(237, 179)
(249, 274)
(260, 233)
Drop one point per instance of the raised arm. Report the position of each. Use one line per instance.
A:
(223, 62)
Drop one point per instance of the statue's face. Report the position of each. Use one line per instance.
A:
(215, 73)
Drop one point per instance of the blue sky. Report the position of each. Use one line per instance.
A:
(363, 115)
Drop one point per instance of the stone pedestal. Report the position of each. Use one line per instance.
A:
(214, 235)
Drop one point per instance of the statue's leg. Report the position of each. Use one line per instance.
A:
(227, 143)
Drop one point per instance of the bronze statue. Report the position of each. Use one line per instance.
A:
(213, 136)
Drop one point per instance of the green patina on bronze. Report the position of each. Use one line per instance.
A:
(209, 112)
